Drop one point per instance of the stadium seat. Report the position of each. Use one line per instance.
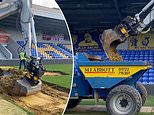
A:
(140, 55)
(50, 50)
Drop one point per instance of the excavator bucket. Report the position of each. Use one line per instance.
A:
(23, 88)
(110, 40)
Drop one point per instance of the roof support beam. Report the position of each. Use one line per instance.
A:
(117, 8)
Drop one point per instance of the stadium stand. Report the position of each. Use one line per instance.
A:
(65, 47)
(50, 50)
(2, 55)
(141, 55)
(4, 52)
(136, 55)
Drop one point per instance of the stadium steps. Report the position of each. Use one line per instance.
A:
(2, 55)
(5, 53)
(13, 48)
(50, 48)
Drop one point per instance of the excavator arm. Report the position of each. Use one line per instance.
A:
(34, 66)
(23, 7)
(130, 26)
(135, 25)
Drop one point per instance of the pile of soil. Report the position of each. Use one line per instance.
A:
(51, 73)
(50, 100)
(110, 41)
(54, 73)
(11, 71)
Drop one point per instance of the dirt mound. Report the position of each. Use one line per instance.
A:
(10, 72)
(52, 74)
(48, 101)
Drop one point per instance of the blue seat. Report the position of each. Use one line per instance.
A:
(141, 79)
(151, 83)
(151, 71)
(151, 57)
(151, 74)
(151, 78)
(145, 82)
(145, 79)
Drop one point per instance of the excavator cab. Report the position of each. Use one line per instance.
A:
(35, 70)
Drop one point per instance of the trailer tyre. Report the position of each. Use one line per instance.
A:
(73, 103)
(123, 100)
(143, 92)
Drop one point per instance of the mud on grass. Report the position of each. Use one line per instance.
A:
(50, 100)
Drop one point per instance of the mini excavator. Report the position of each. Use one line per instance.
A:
(30, 83)
(130, 26)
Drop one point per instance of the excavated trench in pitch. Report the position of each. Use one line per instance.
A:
(50, 100)
(54, 73)
(10, 72)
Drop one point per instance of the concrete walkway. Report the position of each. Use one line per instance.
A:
(100, 108)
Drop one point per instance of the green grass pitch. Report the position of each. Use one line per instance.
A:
(63, 80)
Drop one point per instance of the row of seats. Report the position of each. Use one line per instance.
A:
(65, 47)
(136, 55)
(68, 46)
(48, 50)
(39, 54)
(68, 54)
(53, 54)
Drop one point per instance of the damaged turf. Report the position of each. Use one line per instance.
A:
(49, 101)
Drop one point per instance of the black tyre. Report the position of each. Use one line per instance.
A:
(123, 100)
(143, 92)
(73, 103)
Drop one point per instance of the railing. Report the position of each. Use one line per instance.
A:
(6, 52)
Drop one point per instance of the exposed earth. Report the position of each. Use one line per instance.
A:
(51, 100)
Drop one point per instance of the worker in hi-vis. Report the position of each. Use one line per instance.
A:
(22, 57)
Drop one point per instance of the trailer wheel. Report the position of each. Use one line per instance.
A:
(123, 100)
(143, 92)
(73, 103)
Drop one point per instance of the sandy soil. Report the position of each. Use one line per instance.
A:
(52, 74)
(110, 41)
(49, 101)
(48, 73)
